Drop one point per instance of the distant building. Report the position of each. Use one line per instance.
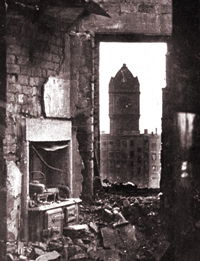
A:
(127, 155)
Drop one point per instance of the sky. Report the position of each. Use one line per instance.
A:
(147, 61)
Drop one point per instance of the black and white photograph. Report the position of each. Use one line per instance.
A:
(99, 130)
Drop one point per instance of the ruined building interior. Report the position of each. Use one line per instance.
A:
(49, 109)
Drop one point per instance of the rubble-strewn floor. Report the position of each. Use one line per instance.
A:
(114, 227)
(113, 215)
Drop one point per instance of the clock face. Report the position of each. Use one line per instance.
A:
(124, 104)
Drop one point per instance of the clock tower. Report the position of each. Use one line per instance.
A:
(124, 102)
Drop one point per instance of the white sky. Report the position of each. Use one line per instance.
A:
(147, 61)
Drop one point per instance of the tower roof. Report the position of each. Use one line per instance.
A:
(124, 78)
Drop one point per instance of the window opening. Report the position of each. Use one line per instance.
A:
(132, 120)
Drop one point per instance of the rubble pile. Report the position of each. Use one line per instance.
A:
(130, 226)
(115, 227)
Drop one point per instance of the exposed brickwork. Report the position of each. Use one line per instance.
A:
(32, 56)
(141, 16)
(81, 74)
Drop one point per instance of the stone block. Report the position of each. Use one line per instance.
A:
(37, 71)
(10, 39)
(11, 58)
(44, 73)
(47, 56)
(56, 58)
(14, 88)
(17, 50)
(120, 237)
(58, 41)
(110, 238)
(56, 66)
(54, 255)
(35, 91)
(13, 68)
(27, 90)
(35, 81)
(79, 257)
(105, 254)
(60, 51)
(25, 70)
(11, 78)
(23, 79)
(50, 73)
(10, 97)
(125, 7)
(49, 65)
(54, 49)
(23, 59)
(128, 236)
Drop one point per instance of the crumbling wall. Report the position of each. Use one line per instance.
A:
(81, 76)
(34, 53)
(140, 17)
(181, 98)
(32, 56)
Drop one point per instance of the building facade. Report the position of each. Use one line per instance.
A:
(127, 155)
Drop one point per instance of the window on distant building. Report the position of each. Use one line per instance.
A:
(118, 143)
(132, 143)
(153, 156)
(132, 154)
(104, 166)
(139, 159)
(139, 149)
(110, 154)
(104, 143)
(124, 143)
(111, 143)
(146, 144)
(131, 163)
(104, 153)
(117, 154)
(117, 164)
(124, 163)
(111, 165)
(124, 155)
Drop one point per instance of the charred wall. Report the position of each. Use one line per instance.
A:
(2, 126)
(180, 131)
(34, 53)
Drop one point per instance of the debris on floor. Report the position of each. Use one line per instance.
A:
(115, 227)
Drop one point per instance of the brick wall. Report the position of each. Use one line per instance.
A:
(141, 16)
(81, 76)
(32, 56)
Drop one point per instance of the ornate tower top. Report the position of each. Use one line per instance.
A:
(124, 102)
(124, 79)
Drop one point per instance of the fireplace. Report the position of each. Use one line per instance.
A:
(47, 205)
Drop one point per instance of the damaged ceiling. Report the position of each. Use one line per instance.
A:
(54, 13)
